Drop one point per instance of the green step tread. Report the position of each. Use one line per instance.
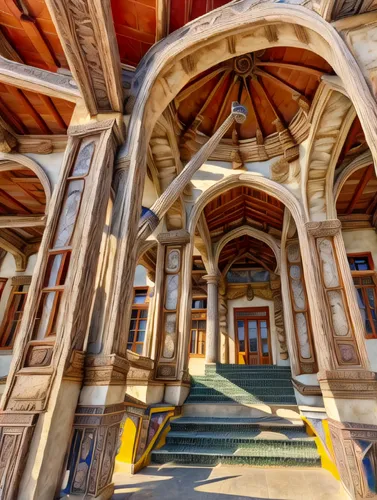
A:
(270, 420)
(217, 452)
(256, 435)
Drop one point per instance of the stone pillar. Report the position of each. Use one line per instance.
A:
(44, 382)
(212, 335)
(223, 322)
(349, 390)
(174, 308)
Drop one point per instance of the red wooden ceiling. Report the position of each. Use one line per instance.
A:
(243, 206)
(31, 113)
(136, 21)
(268, 88)
(249, 252)
(21, 193)
(28, 27)
(358, 195)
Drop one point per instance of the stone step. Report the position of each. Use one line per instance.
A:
(244, 399)
(240, 391)
(232, 409)
(234, 424)
(278, 457)
(267, 439)
(241, 382)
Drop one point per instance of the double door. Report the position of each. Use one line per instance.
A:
(253, 336)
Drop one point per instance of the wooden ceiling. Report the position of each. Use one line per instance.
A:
(21, 197)
(243, 206)
(29, 34)
(355, 143)
(358, 198)
(249, 252)
(31, 113)
(273, 84)
(137, 27)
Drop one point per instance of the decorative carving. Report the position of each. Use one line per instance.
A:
(348, 384)
(355, 447)
(330, 271)
(94, 445)
(300, 310)
(179, 237)
(173, 259)
(323, 229)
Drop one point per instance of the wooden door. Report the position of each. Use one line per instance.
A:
(253, 336)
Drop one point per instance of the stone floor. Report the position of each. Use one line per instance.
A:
(226, 483)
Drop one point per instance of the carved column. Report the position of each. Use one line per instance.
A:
(279, 318)
(212, 335)
(349, 390)
(302, 327)
(223, 321)
(174, 293)
(44, 382)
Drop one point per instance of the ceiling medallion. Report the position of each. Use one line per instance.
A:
(244, 65)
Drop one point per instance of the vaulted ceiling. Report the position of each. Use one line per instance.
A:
(276, 85)
(249, 252)
(357, 201)
(244, 206)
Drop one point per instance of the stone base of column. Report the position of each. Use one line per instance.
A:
(350, 395)
(95, 443)
(16, 431)
(355, 449)
(176, 393)
(350, 399)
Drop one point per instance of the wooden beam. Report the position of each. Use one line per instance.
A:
(87, 34)
(11, 221)
(28, 108)
(193, 87)
(38, 80)
(294, 67)
(53, 111)
(302, 101)
(360, 188)
(162, 19)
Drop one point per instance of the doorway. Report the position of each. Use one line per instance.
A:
(253, 341)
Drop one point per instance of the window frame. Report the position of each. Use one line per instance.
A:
(139, 308)
(359, 275)
(9, 314)
(202, 317)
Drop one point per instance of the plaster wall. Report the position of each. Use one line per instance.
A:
(364, 240)
(149, 193)
(51, 164)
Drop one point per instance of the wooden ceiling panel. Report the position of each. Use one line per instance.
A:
(21, 193)
(135, 27)
(274, 84)
(240, 206)
(358, 194)
(29, 29)
(32, 113)
(246, 251)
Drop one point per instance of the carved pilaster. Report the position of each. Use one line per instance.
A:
(95, 443)
(346, 331)
(47, 368)
(174, 244)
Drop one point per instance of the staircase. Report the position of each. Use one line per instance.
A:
(242, 415)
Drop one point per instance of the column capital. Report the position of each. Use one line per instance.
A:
(179, 237)
(212, 278)
(324, 228)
